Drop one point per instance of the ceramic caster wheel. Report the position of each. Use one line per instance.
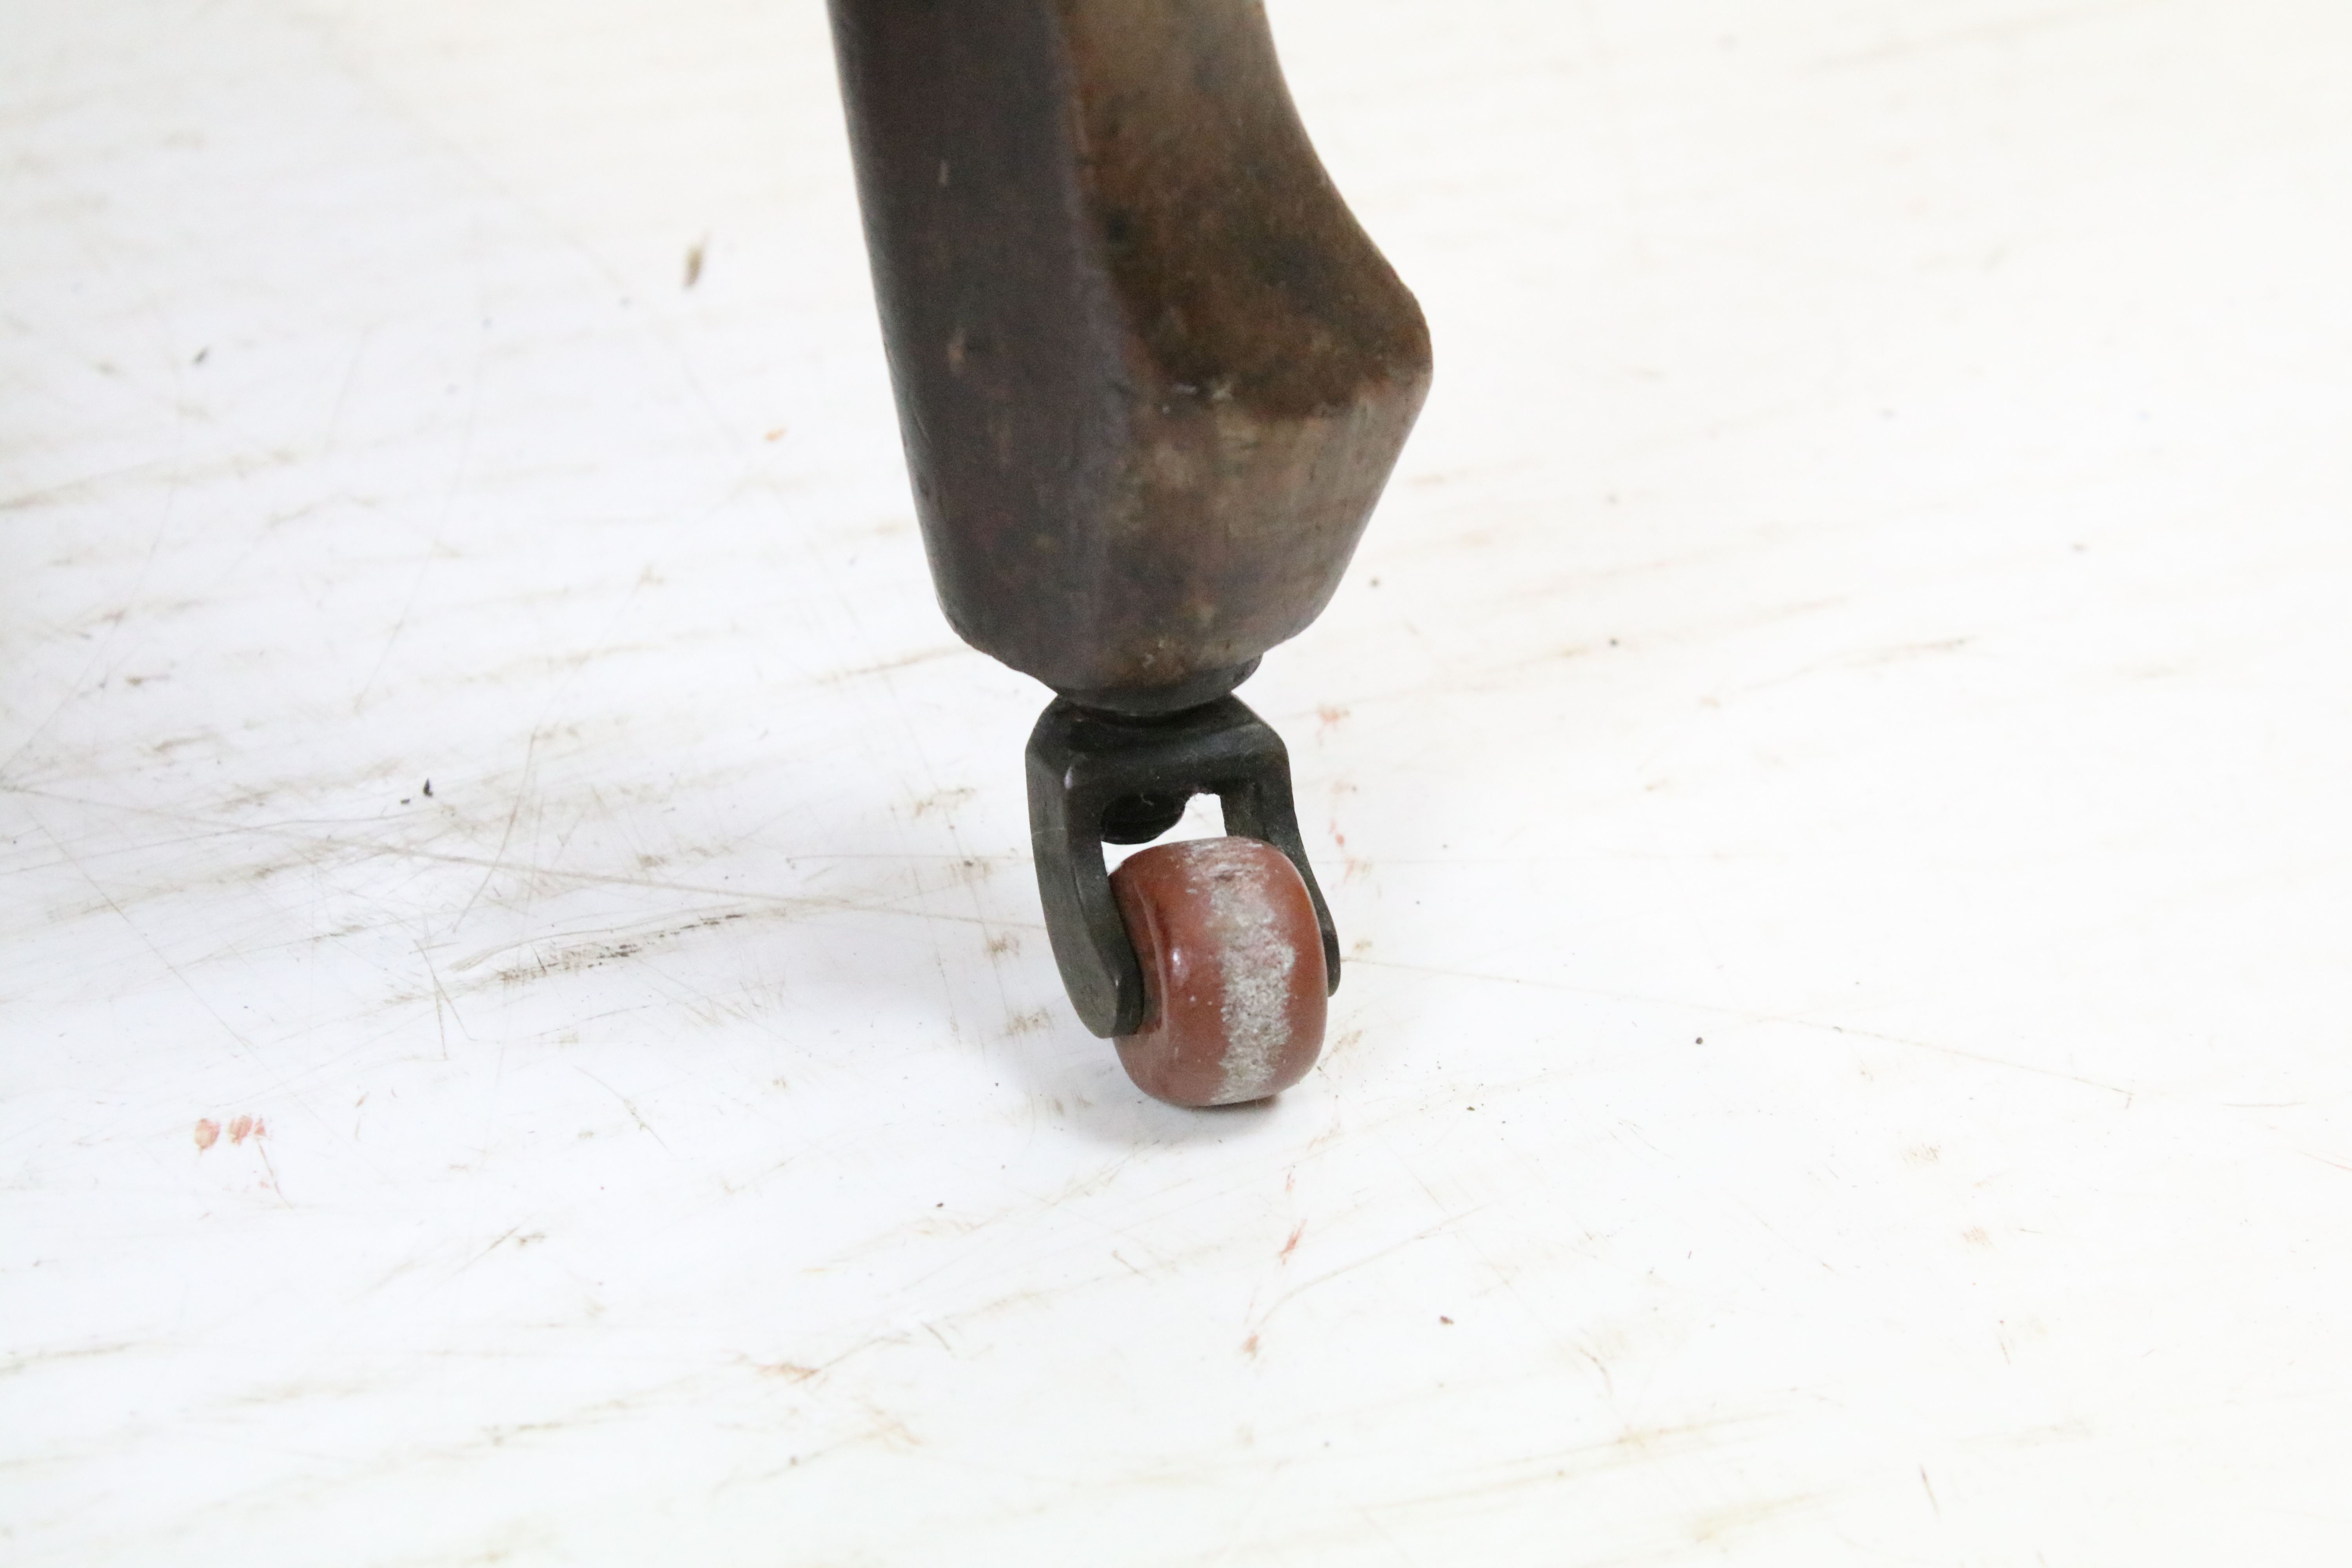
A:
(1233, 971)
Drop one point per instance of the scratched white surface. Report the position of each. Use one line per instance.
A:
(1830, 766)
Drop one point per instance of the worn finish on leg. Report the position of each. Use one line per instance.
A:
(1151, 374)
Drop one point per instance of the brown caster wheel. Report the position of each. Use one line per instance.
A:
(1234, 979)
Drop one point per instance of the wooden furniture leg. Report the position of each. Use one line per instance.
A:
(1151, 377)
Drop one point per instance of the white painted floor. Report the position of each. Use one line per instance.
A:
(1832, 764)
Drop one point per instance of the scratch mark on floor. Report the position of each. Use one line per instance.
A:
(1745, 1015)
(275, 1186)
(449, 507)
(606, 946)
(888, 665)
(799, 902)
(522, 792)
(440, 1002)
(1965, 1056)
(16, 1364)
(131, 600)
(1370, 1258)
(243, 1044)
(627, 1105)
(493, 1247)
(2005, 31)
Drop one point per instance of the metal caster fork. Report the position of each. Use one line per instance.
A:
(1209, 961)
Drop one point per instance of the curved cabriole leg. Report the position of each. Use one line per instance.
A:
(1151, 378)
